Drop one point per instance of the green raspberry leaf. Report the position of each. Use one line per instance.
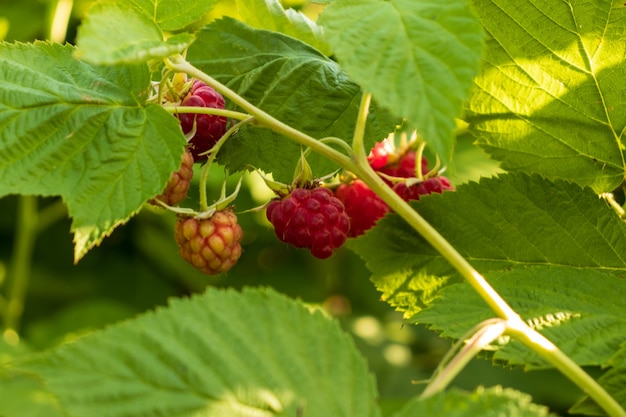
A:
(550, 95)
(484, 402)
(84, 133)
(289, 80)
(270, 15)
(223, 353)
(417, 58)
(513, 221)
(16, 387)
(120, 31)
(581, 310)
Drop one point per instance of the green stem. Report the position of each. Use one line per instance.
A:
(60, 17)
(204, 205)
(179, 64)
(359, 130)
(19, 268)
(207, 110)
(479, 338)
(545, 348)
(403, 209)
(360, 167)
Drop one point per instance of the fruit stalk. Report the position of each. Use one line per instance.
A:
(19, 267)
(546, 349)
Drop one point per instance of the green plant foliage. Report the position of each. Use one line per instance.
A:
(615, 383)
(270, 15)
(87, 137)
(416, 58)
(172, 15)
(289, 80)
(506, 222)
(549, 98)
(254, 353)
(484, 402)
(581, 310)
(121, 32)
(17, 387)
(84, 133)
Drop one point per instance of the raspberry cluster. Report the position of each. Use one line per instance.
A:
(210, 245)
(176, 189)
(363, 206)
(430, 185)
(403, 166)
(310, 218)
(209, 128)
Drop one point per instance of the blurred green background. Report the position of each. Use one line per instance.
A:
(138, 267)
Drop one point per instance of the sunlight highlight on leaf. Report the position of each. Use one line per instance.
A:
(549, 98)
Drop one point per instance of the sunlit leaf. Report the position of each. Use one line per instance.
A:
(550, 96)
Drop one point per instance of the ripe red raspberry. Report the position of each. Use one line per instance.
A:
(430, 185)
(363, 206)
(209, 128)
(176, 189)
(405, 167)
(211, 245)
(379, 155)
(312, 219)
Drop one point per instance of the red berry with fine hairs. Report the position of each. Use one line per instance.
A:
(312, 219)
(363, 206)
(209, 128)
(210, 245)
(430, 185)
(176, 189)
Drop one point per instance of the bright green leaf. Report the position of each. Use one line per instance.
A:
(270, 15)
(255, 353)
(550, 96)
(506, 222)
(292, 82)
(581, 310)
(126, 32)
(417, 58)
(85, 133)
(484, 402)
